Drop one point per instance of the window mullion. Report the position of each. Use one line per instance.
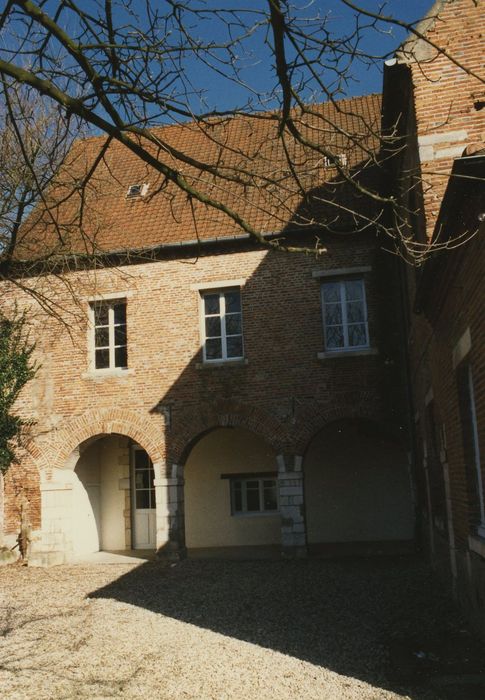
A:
(92, 316)
(111, 336)
(222, 302)
(364, 307)
(244, 500)
(343, 301)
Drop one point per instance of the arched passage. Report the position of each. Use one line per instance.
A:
(231, 495)
(112, 497)
(357, 486)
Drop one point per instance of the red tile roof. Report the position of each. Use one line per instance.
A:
(259, 186)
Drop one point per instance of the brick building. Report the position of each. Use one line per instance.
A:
(245, 409)
(439, 176)
(208, 393)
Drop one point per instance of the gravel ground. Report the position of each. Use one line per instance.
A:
(211, 629)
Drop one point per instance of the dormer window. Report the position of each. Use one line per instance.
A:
(137, 190)
(340, 159)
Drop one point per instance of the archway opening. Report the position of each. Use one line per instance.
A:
(357, 490)
(113, 496)
(231, 495)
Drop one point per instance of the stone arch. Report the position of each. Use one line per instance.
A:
(197, 424)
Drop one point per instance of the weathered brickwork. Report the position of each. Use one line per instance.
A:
(167, 398)
(445, 95)
(448, 119)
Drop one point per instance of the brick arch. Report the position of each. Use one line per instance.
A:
(314, 422)
(196, 425)
(147, 431)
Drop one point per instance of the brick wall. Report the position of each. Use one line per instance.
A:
(445, 95)
(167, 397)
(447, 121)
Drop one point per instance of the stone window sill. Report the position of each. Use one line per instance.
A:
(106, 374)
(223, 363)
(347, 353)
(477, 544)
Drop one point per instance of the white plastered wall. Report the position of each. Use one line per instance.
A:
(357, 488)
(208, 519)
(100, 482)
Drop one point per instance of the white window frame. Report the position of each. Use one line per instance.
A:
(110, 302)
(244, 480)
(345, 324)
(134, 489)
(222, 314)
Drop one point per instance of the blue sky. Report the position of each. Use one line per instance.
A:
(221, 94)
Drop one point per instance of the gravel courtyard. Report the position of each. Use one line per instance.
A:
(211, 629)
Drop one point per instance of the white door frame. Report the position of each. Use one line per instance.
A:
(142, 518)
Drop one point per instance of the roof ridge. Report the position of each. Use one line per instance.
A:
(178, 125)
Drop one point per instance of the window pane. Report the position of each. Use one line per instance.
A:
(252, 500)
(142, 479)
(334, 337)
(252, 496)
(212, 326)
(120, 335)
(143, 499)
(120, 313)
(237, 491)
(102, 359)
(354, 290)
(213, 349)
(101, 337)
(121, 357)
(235, 346)
(211, 303)
(100, 315)
(142, 460)
(355, 312)
(331, 291)
(233, 324)
(333, 314)
(233, 301)
(357, 335)
(270, 500)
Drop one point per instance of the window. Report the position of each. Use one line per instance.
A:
(341, 159)
(138, 190)
(222, 325)
(254, 495)
(143, 480)
(345, 315)
(109, 326)
(469, 431)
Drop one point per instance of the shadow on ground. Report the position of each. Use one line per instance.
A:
(343, 615)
